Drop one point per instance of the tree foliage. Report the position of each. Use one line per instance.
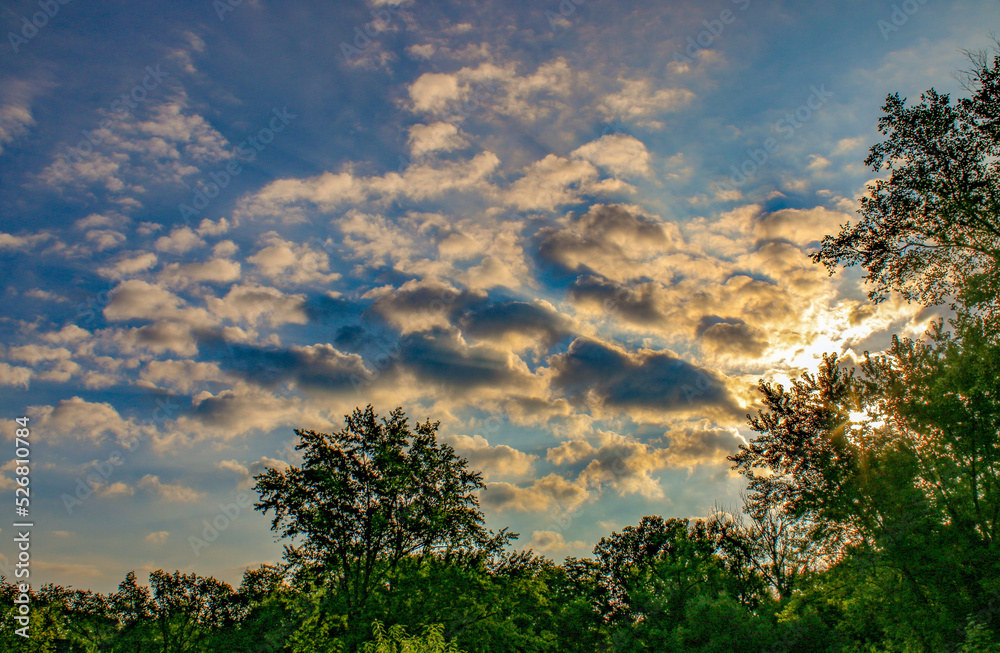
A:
(931, 230)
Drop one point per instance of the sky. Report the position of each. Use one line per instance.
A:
(577, 234)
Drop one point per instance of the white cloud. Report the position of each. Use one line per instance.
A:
(638, 102)
(157, 537)
(82, 420)
(161, 142)
(553, 543)
(801, 226)
(180, 375)
(552, 492)
(9, 241)
(550, 182)
(11, 375)
(139, 300)
(129, 265)
(116, 489)
(495, 461)
(216, 270)
(15, 111)
(435, 137)
(180, 240)
(621, 154)
(434, 92)
(251, 303)
(172, 492)
(283, 198)
(286, 263)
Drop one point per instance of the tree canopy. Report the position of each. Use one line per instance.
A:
(931, 230)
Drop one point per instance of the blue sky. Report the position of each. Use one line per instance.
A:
(575, 234)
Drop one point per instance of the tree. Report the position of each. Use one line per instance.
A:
(896, 467)
(369, 499)
(806, 452)
(397, 641)
(932, 229)
(652, 572)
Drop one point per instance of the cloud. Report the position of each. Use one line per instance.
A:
(159, 142)
(618, 461)
(489, 90)
(550, 182)
(245, 473)
(284, 198)
(157, 537)
(496, 461)
(638, 303)
(81, 420)
(732, 334)
(15, 111)
(620, 154)
(233, 412)
(434, 92)
(701, 445)
(172, 492)
(38, 293)
(610, 380)
(180, 375)
(11, 375)
(116, 489)
(160, 337)
(313, 368)
(440, 357)
(553, 542)
(517, 325)
(420, 305)
(137, 300)
(180, 240)
(129, 265)
(216, 270)
(435, 137)
(613, 240)
(35, 354)
(639, 103)
(547, 494)
(801, 226)
(286, 263)
(10, 241)
(252, 303)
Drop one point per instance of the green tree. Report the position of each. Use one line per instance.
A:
(369, 500)
(932, 229)
(395, 640)
(653, 572)
(897, 465)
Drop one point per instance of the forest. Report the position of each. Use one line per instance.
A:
(869, 522)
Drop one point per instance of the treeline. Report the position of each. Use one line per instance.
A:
(869, 524)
